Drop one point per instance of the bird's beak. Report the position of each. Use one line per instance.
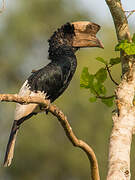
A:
(85, 34)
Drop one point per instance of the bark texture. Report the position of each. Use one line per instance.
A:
(121, 136)
(124, 117)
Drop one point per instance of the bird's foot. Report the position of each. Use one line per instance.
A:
(48, 106)
(46, 109)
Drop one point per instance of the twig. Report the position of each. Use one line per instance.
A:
(64, 122)
(109, 72)
(130, 13)
(105, 97)
(3, 6)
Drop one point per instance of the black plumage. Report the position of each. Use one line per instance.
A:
(51, 80)
(54, 78)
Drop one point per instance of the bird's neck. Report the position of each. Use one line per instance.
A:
(56, 52)
(60, 44)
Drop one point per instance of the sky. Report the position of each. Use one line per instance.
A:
(102, 11)
(96, 7)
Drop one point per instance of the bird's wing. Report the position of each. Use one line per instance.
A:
(53, 79)
(25, 110)
(49, 81)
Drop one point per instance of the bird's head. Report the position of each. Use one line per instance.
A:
(85, 35)
(74, 35)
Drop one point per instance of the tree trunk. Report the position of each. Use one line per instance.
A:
(124, 117)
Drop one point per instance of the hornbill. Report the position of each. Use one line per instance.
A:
(52, 80)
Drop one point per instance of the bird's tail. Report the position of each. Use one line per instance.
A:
(11, 144)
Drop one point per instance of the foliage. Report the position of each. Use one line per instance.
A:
(40, 148)
(95, 82)
(128, 47)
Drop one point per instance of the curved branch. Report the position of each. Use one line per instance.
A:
(120, 19)
(64, 122)
(122, 30)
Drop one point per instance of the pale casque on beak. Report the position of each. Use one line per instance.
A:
(85, 34)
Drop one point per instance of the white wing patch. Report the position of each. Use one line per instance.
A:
(24, 110)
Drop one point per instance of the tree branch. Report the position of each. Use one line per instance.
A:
(121, 26)
(120, 19)
(130, 13)
(63, 121)
(124, 120)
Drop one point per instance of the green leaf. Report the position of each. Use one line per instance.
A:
(108, 102)
(122, 45)
(91, 80)
(92, 99)
(103, 89)
(86, 79)
(101, 75)
(133, 38)
(118, 47)
(114, 61)
(99, 88)
(129, 48)
(92, 90)
(102, 60)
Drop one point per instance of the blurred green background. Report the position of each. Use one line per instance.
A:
(42, 149)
